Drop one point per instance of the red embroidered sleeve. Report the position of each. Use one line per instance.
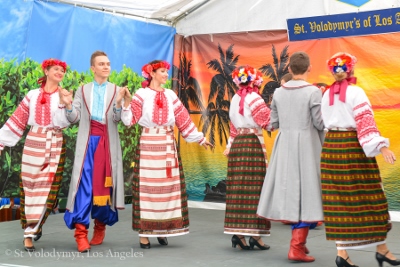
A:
(182, 119)
(232, 134)
(365, 122)
(19, 119)
(136, 107)
(367, 132)
(260, 112)
(185, 124)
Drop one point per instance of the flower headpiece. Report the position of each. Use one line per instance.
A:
(53, 62)
(148, 68)
(341, 62)
(247, 74)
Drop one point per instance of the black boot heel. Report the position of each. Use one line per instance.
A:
(38, 235)
(236, 241)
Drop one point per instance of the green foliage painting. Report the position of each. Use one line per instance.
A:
(16, 79)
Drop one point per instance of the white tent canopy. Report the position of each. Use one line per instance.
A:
(192, 17)
(221, 16)
(156, 11)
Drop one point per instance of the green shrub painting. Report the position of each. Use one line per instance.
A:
(16, 79)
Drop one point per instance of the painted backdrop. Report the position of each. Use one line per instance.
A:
(32, 31)
(204, 64)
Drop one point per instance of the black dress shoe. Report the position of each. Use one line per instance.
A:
(237, 241)
(162, 240)
(29, 249)
(340, 262)
(145, 246)
(38, 235)
(382, 258)
(254, 242)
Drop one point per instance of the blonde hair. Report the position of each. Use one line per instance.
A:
(342, 75)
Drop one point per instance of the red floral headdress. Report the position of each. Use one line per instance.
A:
(148, 68)
(244, 75)
(53, 62)
(341, 62)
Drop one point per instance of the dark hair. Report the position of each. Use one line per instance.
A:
(96, 54)
(299, 63)
(154, 61)
(287, 77)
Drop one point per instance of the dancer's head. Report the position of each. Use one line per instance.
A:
(156, 71)
(299, 63)
(100, 65)
(341, 65)
(53, 70)
(247, 76)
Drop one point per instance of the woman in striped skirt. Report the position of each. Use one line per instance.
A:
(44, 150)
(355, 206)
(159, 192)
(247, 161)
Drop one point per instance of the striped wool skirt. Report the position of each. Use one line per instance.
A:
(159, 201)
(41, 174)
(355, 206)
(246, 172)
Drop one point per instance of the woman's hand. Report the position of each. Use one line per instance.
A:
(207, 144)
(388, 155)
(226, 152)
(127, 98)
(66, 97)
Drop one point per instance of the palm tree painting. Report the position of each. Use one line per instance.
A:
(186, 87)
(222, 89)
(275, 72)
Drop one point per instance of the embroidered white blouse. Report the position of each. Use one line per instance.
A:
(256, 114)
(32, 112)
(152, 108)
(355, 113)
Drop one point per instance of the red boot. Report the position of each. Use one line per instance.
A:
(81, 238)
(297, 246)
(99, 233)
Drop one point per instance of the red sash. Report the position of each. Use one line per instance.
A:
(102, 180)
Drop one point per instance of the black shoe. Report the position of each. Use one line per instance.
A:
(162, 240)
(29, 249)
(146, 246)
(253, 242)
(340, 262)
(236, 241)
(38, 235)
(381, 258)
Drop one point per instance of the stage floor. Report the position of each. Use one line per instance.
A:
(206, 245)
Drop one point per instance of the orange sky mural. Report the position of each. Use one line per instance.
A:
(377, 72)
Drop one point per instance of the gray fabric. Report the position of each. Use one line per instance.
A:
(80, 112)
(292, 186)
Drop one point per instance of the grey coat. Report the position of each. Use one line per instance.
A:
(81, 112)
(292, 186)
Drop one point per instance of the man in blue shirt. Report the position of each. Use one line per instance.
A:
(96, 187)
